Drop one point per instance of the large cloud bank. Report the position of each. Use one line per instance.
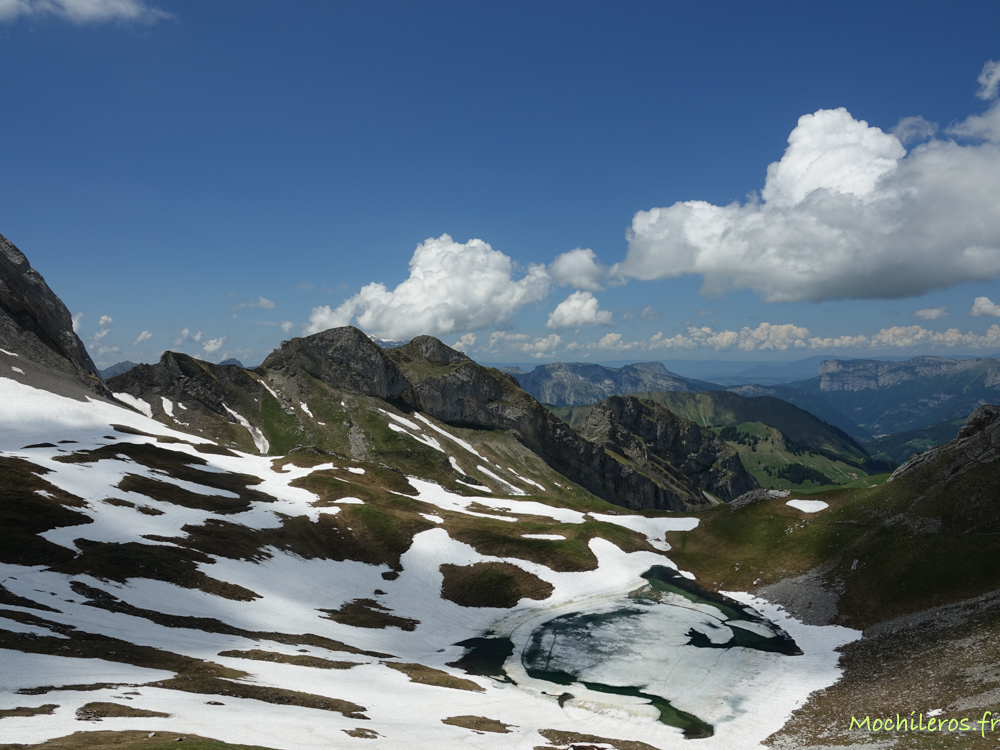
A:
(785, 336)
(846, 213)
(452, 287)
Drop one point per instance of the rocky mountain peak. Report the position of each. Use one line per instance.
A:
(342, 356)
(435, 351)
(35, 324)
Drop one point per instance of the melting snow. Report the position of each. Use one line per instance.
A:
(9, 354)
(513, 490)
(138, 403)
(305, 408)
(419, 437)
(551, 537)
(463, 443)
(258, 437)
(808, 506)
(747, 695)
(168, 406)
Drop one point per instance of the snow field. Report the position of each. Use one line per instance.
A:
(746, 694)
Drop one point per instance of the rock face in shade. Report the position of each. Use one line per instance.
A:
(669, 447)
(35, 325)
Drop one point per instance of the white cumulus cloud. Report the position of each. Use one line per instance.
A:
(76, 322)
(213, 345)
(144, 336)
(984, 306)
(931, 313)
(83, 11)
(846, 213)
(578, 268)
(452, 286)
(578, 309)
(466, 342)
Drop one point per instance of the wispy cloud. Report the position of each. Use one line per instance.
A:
(83, 11)
(931, 313)
(144, 336)
(261, 302)
(186, 335)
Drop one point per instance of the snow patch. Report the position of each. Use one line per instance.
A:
(305, 408)
(138, 403)
(513, 490)
(168, 406)
(808, 506)
(448, 435)
(652, 528)
(258, 437)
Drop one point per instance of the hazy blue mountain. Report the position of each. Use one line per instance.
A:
(889, 397)
(573, 383)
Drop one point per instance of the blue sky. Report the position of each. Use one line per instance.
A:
(518, 177)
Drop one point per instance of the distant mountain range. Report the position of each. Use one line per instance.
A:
(864, 398)
(573, 383)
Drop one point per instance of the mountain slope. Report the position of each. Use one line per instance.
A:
(37, 331)
(781, 445)
(900, 446)
(336, 390)
(572, 383)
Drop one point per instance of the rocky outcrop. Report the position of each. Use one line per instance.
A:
(977, 443)
(185, 380)
(575, 383)
(35, 324)
(344, 357)
(674, 450)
